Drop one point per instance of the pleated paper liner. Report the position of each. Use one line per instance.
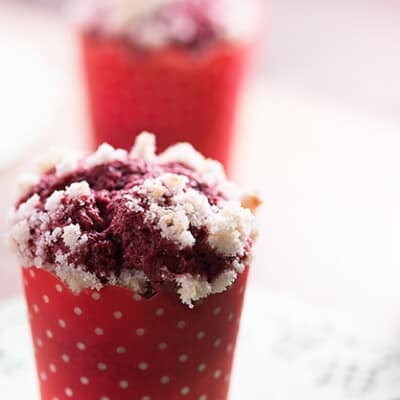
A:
(114, 345)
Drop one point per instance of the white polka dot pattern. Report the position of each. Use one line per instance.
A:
(162, 346)
(101, 366)
(183, 358)
(217, 374)
(115, 345)
(99, 331)
(185, 390)
(202, 367)
(123, 384)
(181, 324)
(96, 296)
(143, 366)
(160, 312)
(217, 310)
(81, 346)
(201, 335)
(53, 368)
(78, 311)
(120, 350)
(164, 379)
(217, 342)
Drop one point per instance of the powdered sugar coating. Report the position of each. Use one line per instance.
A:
(140, 221)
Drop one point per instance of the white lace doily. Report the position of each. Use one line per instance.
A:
(286, 351)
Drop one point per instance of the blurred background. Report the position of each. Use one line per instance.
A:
(319, 135)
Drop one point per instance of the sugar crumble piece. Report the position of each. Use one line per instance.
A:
(191, 289)
(73, 237)
(144, 147)
(104, 154)
(20, 234)
(228, 225)
(68, 163)
(26, 181)
(230, 228)
(78, 189)
(167, 183)
(251, 201)
(53, 202)
(240, 266)
(183, 153)
(61, 159)
(154, 188)
(48, 160)
(38, 262)
(196, 206)
(133, 203)
(223, 281)
(174, 225)
(212, 171)
(28, 208)
(24, 220)
(76, 278)
(174, 183)
(133, 280)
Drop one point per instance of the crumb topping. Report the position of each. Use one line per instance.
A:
(153, 24)
(138, 220)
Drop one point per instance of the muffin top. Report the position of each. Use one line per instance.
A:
(157, 23)
(140, 220)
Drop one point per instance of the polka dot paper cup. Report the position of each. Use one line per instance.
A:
(115, 345)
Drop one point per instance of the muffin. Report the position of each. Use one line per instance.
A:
(134, 270)
(175, 67)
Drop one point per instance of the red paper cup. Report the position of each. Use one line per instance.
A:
(180, 95)
(115, 345)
